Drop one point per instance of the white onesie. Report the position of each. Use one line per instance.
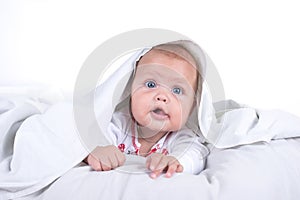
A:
(183, 144)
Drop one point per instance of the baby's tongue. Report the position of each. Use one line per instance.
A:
(159, 111)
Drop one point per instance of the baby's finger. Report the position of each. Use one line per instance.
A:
(114, 162)
(155, 174)
(179, 169)
(163, 163)
(94, 163)
(171, 170)
(153, 161)
(105, 164)
(120, 158)
(148, 161)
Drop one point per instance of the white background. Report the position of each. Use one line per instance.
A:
(255, 45)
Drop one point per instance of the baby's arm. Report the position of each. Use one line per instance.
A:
(187, 154)
(187, 148)
(105, 158)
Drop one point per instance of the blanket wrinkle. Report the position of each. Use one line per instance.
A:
(13, 115)
(44, 147)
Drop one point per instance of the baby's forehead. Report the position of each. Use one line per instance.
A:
(167, 53)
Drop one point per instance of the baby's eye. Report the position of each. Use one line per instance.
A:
(150, 84)
(177, 90)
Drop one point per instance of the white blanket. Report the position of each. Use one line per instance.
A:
(39, 144)
(259, 171)
(36, 148)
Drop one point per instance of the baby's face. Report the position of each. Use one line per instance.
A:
(163, 91)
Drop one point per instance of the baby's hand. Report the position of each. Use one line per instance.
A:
(158, 163)
(105, 158)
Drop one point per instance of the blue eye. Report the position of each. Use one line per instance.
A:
(177, 90)
(150, 84)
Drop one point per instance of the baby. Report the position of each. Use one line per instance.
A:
(153, 125)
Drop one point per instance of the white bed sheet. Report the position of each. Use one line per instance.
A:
(256, 171)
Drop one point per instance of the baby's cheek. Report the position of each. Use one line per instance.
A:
(183, 113)
(177, 120)
(139, 111)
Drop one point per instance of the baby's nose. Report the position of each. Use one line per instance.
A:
(162, 98)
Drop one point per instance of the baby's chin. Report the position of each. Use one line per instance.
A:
(160, 127)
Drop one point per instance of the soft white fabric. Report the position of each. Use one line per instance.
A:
(260, 171)
(239, 124)
(38, 144)
(106, 97)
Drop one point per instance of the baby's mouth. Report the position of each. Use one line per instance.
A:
(160, 113)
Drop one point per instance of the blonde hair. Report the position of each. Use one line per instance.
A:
(176, 51)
